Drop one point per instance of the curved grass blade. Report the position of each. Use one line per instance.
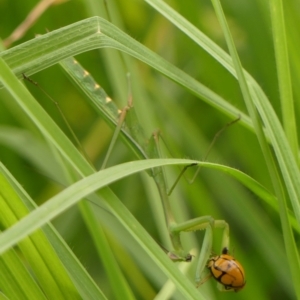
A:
(93, 33)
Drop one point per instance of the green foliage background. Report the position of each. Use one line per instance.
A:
(187, 124)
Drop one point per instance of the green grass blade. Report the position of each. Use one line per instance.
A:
(15, 280)
(79, 190)
(117, 280)
(284, 76)
(286, 226)
(96, 33)
(85, 285)
(51, 276)
(88, 185)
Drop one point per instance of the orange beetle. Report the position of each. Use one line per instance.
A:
(228, 271)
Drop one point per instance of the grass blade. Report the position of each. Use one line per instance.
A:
(285, 223)
(83, 282)
(96, 33)
(283, 73)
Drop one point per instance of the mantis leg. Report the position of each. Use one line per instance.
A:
(206, 223)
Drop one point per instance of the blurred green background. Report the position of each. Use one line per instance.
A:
(187, 124)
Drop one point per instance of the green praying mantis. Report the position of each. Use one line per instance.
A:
(127, 126)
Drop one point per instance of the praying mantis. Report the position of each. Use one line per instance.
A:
(133, 136)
